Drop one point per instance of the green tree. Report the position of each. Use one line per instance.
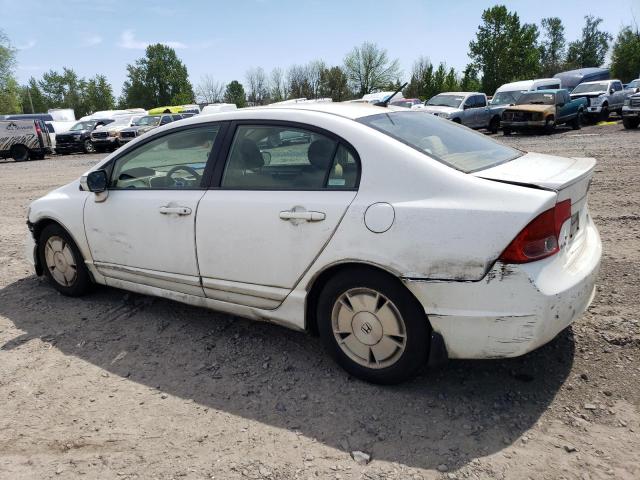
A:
(591, 49)
(451, 82)
(334, 84)
(98, 95)
(552, 46)
(32, 98)
(369, 68)
(421, 82)
(504, 49)
(470, 81)
(157, 79)
(625, 57)
(234, 93)
(64, 90)
(9, 89)
(439, 78)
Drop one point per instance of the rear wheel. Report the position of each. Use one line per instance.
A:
(372, 326)
(576, 123)
(494, 124)
(19, 153)
(63, 264)
(630, 123)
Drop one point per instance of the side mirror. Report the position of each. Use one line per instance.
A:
(612, 91)
(97, 181)
(466, 106)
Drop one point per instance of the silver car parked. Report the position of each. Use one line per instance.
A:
(470, 109)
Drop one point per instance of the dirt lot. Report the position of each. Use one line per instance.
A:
(117, 385)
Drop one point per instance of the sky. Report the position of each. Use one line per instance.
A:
(224, 39)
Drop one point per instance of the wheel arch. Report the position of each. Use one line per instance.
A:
(320, 279)
(38, 227)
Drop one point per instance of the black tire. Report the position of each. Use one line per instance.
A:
(604, 113)
(630, 123)
(19, 153)
(88, 147)
(494, 124)
(458, 121)
(405, 363)
(82, 281)
(576, 123)
(550, 124)
(36, 156)
(506, 131)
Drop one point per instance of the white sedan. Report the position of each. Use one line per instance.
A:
(400, 238)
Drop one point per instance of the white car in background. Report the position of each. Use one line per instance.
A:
(399, 237)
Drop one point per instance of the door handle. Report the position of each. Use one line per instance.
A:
(302, 215)
(166, 210)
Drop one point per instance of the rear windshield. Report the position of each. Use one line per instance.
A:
(443, 140)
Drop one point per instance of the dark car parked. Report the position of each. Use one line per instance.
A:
(78, 138)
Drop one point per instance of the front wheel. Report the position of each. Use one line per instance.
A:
(630, 123)
(88, 147)
(494, 125)
(550, 124)
(373, 327)
(62, 261)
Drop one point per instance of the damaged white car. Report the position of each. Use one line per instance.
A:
(400, 238)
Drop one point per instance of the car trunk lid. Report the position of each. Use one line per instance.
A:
(569, 177)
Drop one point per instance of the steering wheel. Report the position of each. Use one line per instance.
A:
(184, 168)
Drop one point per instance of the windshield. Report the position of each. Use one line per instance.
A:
(506, 98)
(121, 121)
(146, 121)
(442, 140)
(83, 126)
(536, 98)
(446, 101)
(591, 87)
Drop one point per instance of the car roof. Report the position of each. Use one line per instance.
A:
(349, 110)
(545, 90)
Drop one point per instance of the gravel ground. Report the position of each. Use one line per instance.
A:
(118, 385)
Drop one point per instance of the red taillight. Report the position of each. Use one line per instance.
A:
(539, 239)
(38, 131)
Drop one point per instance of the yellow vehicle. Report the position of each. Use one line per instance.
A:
(175, 109)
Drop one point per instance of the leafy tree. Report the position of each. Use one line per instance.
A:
(98, 95)
(369, 68)
(552, 46)
(439, 78)
(504, 50)
(470, 81)
(64, 90)
(159, 78)
(32, 99)
(420, 84)
(209, 90)
(234, 93)
(334, 84)
(625, 58)
(451, 83)
(9, 89)
(299, 82)
(591, 49)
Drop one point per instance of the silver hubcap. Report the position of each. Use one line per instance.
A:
(368, 328)
(60, 261)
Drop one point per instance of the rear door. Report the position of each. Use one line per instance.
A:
(273, 208)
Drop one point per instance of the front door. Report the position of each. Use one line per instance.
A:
(281, 195)
(144, 231)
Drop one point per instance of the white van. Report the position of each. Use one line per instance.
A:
(509, 93)
(24, 139)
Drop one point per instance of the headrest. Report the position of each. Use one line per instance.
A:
(251, 155)
(320, 153)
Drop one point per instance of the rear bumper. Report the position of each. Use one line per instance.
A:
(515, 308)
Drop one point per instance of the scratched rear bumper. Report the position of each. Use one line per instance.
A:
(515, 308)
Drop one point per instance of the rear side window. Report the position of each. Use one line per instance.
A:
(287, 158)
(442, 140)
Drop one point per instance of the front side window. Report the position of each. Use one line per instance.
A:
(442, 140)
(287, 158)
(617, 86)
(173, 161)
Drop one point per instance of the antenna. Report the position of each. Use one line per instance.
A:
(385, 103)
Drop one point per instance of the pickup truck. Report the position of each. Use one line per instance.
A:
(631, 112)
(468, 108)
(603, 97)
(544, 109)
